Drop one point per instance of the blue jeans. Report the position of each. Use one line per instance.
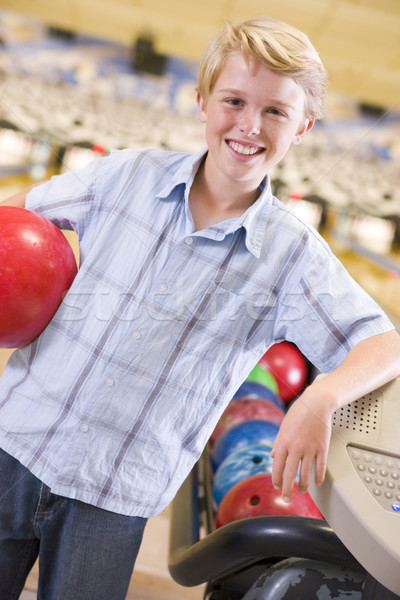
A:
(85, 553)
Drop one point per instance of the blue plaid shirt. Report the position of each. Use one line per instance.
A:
(116, 399)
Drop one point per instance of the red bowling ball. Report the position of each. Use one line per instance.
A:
(37, 266)
(244, 409)
(256, 496)
(289, 368)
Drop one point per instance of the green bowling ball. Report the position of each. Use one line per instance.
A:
(263, 377)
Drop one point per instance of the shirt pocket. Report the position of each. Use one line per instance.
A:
(224, 324)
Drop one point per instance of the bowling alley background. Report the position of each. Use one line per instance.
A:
(67, 98)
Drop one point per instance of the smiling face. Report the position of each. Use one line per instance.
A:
(253, 115)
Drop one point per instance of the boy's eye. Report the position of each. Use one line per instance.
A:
(234, 101)
(275, 111)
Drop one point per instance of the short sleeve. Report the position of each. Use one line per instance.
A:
(326, 312)
(68, 199)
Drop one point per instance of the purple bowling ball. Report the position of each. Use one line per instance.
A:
(256, 390)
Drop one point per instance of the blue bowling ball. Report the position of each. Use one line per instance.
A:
(243, 434)
(250, 388)
(250, 460)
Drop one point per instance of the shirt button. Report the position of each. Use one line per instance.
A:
(109, 382)
(136, 335)
(84, 427)
(188, 241)
(163, 287)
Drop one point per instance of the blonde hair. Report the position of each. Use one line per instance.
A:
(280, 46)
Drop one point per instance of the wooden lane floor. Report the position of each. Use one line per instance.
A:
(381, 284)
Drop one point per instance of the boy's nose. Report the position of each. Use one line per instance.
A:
(250, 124)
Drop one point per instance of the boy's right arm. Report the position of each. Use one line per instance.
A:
(18, 199)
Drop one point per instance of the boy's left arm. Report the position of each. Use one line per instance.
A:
(305, 432)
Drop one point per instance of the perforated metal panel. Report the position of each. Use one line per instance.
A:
(361, 416)
(360, 497)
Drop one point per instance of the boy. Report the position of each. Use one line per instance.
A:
(190, 270)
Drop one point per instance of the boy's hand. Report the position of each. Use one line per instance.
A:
(303, 438)
(19, 199)
(305, 432)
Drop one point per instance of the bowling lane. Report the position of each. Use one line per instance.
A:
(12, 184)
(382, 285)
(369, 258)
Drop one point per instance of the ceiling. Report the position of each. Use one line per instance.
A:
(358, 40)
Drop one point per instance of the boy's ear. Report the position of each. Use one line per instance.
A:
(201, 108)
(306, 126)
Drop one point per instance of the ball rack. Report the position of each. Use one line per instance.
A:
(239, 557)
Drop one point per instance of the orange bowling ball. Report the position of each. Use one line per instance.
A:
(37, 267)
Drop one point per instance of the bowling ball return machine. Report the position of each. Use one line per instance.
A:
(353, 554)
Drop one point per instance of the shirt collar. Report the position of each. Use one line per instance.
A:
(185, 173)
(254, 220)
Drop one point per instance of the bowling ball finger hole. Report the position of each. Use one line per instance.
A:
(256, 460)
(254, 500)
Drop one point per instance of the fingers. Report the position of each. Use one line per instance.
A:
(278, 467)
(320, 468)
(302, 441)
(286, 467)
(305, 473)
(284, 473)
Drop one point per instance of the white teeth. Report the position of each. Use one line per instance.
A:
(243, 149)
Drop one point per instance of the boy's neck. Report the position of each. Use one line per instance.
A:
(211, 204)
